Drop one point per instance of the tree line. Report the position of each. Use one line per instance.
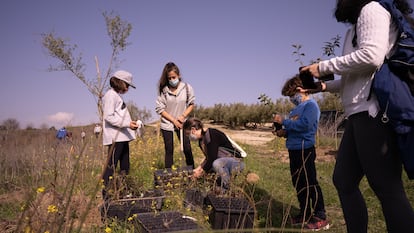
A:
(253, 115)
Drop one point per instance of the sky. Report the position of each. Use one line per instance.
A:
(230, 51)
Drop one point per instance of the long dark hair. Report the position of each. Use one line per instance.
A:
(347, 11)
(170, 66)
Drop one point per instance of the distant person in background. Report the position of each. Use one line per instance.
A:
(83, 135)
(61, 134)
(368, 147)
(175, 102)
(69, 136)
(97, 130)
(220, 155)
(300, 132)
(118, 127)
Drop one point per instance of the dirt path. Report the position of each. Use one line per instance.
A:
(260, 137)
(246, 136)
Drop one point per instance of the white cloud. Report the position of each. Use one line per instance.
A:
(63, 118)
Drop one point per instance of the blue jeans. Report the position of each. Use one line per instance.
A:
(225, 167)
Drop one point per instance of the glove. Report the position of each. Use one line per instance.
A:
(139, 123)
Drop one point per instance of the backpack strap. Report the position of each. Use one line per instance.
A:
(187, 92)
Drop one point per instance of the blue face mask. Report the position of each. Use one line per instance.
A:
(296, 99)
(174, 82)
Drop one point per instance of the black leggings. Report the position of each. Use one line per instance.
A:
(119, 152)
(368, 147)
(303, 172)
(169, 148)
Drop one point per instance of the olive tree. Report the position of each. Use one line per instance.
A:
(66, 53)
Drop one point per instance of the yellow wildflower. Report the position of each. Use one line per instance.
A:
(40, 190)
(52, 209)
(108, 230)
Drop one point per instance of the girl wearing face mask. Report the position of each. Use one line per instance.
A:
(220, 155)
(174, 103)
(300, 131)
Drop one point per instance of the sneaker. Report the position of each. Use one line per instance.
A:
(298, 220)
(317, 224)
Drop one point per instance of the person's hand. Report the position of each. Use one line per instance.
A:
(177, 124)
(133, 125)
(313, 69)
(197, 173)
(281, 133)
(181, 119)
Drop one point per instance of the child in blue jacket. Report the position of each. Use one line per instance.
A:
(300, 130)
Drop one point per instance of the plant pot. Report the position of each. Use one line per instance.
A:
(230, 212)
(168, 221)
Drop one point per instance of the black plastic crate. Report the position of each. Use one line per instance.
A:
(124, 208)
(169, 178)
(230, 212)
(168, 221)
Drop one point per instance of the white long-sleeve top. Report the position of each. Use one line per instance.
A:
(376, 36)
(116, 119)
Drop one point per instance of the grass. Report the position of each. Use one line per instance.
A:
(58, 184)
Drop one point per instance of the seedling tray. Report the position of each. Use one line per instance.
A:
(168, 178)
(167, 221)
(230, 212)
(124, 208)
(194, 198)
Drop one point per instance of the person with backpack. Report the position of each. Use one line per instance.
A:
(174, 103)
(221, 155)
(300, 129)
(368, 146)
(118, 127)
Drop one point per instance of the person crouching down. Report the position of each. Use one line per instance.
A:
(220, 155)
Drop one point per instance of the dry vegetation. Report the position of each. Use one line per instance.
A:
(51, 186)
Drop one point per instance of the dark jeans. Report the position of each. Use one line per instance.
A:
(119, 152)
(303, 172)
(169, 148)
(368, 147)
